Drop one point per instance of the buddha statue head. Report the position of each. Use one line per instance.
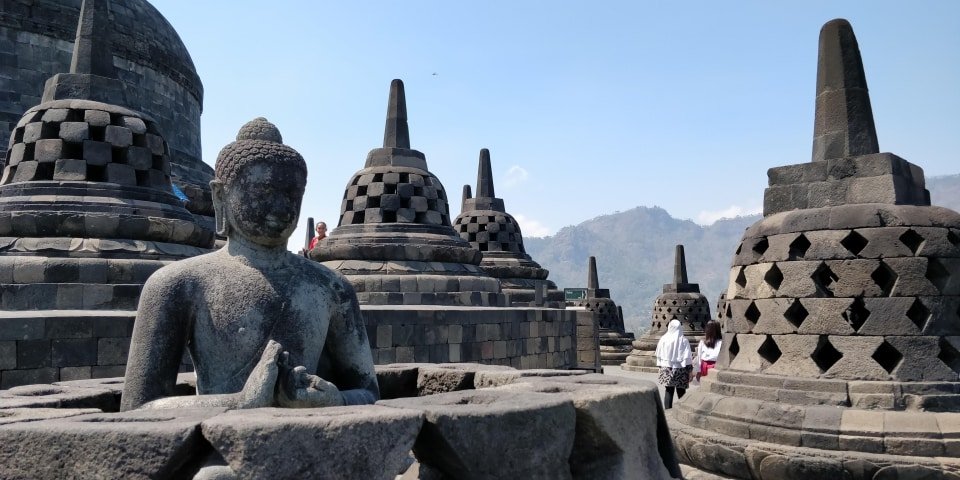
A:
(258, 186)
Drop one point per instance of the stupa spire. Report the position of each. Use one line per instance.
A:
(843, 124)
(485, 176)
(396, 134)
(593, 281)
(91, 49)
(680, 267)
(467, 195)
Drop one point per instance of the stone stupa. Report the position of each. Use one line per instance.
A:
(485, 223)
(841, 351)
(394, 241)
(681, 300)
(87, 213)
(614, 341)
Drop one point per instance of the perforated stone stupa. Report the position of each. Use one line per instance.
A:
(681, 300)
(614, 341)
(394, 241)
(86, 215)
(841, 343)
(485, 223)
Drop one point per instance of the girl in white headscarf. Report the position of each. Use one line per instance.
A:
(675, 361)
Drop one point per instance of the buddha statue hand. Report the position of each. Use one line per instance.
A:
(259, 389)
(298, 389)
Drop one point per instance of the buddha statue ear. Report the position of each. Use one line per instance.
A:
(219, 208)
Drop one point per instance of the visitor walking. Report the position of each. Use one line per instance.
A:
(709, 348)
(675, 361)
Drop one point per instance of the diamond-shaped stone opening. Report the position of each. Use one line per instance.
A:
(825, 355)
(856, 314)
(739, 249)
(773, 277)
(912, 240)
(919, 314)
(953, 238)
(734, 349)
(752, 314)
(854, 242)
(769, 351)
(937, 274)
(799, 247)
(887, 356)
(949, 355)
(885, 278)
(741, 278)
(823, 279)
(761, 246)
(796, 314)
(728, 312)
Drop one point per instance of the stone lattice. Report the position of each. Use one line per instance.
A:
(394, 241)
(841, 322)
(87, 213)
(681, 300)
(485, 223)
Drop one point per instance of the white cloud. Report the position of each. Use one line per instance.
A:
(708, 217)
(532, 228)
(516, 175)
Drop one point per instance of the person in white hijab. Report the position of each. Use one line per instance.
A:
(675, 361)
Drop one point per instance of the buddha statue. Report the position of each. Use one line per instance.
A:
(263, 326)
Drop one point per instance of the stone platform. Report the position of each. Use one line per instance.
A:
(460, 420)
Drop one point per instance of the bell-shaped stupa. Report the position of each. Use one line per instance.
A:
(614, 341)
(485, 223)
(394, 241)
(680, 300)
(87, 213)
(841, 330)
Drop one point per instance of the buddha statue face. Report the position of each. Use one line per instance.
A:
(262, 204)
(259, 186)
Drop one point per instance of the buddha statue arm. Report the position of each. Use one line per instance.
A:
(348, 351)
(345, 374)
(159, 336)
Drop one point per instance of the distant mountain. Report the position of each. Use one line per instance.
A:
(635, 250)
(945, 191)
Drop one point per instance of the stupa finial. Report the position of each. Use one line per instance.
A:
(593, 281)
(843, 125)
(680, 267)
(92, 50)
(485, 176)
(396, 134)
(467, 195)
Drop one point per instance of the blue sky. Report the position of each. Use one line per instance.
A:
(587, 107)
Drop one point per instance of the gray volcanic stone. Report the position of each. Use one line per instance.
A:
(450, 377)
(496, 378)
(132, 445)
(16, 415)
(621, 429)
(398, 380)
(491, 434)
(58, 396)
(337, 442)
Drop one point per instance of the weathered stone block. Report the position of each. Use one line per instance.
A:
(369, 441)
(140, 158)
(138, 444)
(47, 151)
(58, 396)
(75, 132)
(119, 137)
(464, 430)
(135, 125)
(67, 169)
(96, 118)
(73, 352)
(121, 174)
(112, 351)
